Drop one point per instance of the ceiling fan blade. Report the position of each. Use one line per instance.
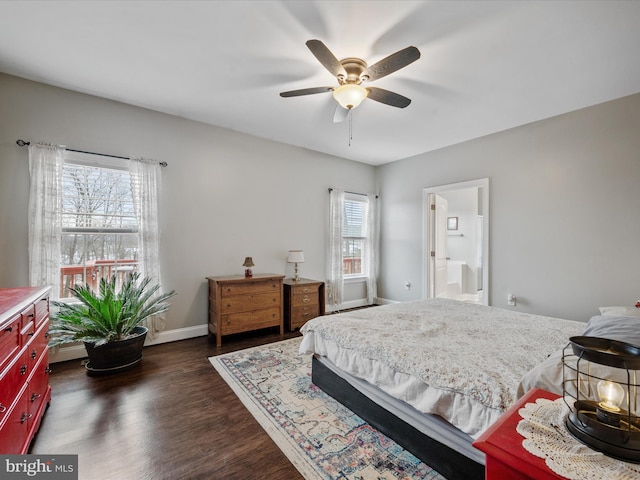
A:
(390, 64)
(387, 97)
(341, 114)
(326, 58)
(306, 91)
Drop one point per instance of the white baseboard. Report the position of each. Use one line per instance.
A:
(359, 303)
(347, 305)
(385, 301)
(73, 352)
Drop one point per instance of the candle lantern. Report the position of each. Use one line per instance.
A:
(600, 387)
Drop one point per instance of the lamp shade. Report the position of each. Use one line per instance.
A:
(295, 256)
(248, 262)
(349, 95)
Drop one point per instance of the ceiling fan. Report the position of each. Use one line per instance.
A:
(352, 72)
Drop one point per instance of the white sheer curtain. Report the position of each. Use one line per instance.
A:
(145, 186)
(370, 250)
(336, 220)
(45, 207)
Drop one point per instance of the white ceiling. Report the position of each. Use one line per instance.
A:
(486, 66)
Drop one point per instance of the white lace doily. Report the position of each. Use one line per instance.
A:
(547, 437)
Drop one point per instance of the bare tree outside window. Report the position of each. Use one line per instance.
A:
(99, 226)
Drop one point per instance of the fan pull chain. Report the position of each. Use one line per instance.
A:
(350, 126)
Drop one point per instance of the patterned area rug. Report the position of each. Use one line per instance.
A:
(323, 439)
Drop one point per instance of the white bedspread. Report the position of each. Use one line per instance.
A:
(454, 359)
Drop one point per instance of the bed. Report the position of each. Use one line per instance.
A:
(432, 374)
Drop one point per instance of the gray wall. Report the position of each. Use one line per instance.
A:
(225, 196)
(564, 211)
(564, 207)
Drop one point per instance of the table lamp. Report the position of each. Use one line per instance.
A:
(248, 263)
(295, 257)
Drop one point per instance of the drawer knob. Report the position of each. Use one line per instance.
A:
(2, 408)
(31, 334)
(25, 416)
(34, 354)
(23, 369)
(35, 396)
(47, 369)
(306, 299)
(8, 329)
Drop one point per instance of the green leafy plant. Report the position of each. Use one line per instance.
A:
(107, 315)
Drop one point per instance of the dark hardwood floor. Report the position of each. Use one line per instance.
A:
(172, 417)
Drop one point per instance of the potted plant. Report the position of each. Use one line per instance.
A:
(109, 321)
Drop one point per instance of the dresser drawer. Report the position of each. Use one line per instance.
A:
(38, 344)
(252, 320)
(243, 303)
(300, 315)
(42, 310)
(305, 289)
(14, 425)
(304, 299)
(39, 383)
(12, 379)
(233, 289)
(9, 340)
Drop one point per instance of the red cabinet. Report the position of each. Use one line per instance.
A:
(506, 458)
(24, 365)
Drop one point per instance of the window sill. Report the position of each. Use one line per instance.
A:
(355, 279)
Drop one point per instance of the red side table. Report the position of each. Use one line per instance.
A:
(506, 458)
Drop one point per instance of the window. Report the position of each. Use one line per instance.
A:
(353, 236)
(352, 243)
(91, 216)
(99, 228)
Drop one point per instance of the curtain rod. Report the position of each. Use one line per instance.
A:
(353, 193)
(22, 143)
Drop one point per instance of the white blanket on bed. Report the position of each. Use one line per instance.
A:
(454, 359)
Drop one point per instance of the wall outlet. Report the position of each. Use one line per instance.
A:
(511, 299)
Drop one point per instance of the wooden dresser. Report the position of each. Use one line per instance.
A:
(303, 300)
(24, 365)
(238, 304)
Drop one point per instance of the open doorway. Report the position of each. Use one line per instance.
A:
(456, 241)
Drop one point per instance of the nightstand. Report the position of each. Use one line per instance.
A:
(506, 458)
(303, 300)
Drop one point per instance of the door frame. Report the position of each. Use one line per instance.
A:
(427, 227)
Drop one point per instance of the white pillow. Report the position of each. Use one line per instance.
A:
(623, 329)
(620, 311)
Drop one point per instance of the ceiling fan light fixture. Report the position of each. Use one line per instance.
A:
(350, 95)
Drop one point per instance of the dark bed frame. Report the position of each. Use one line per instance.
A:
(451, 464)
